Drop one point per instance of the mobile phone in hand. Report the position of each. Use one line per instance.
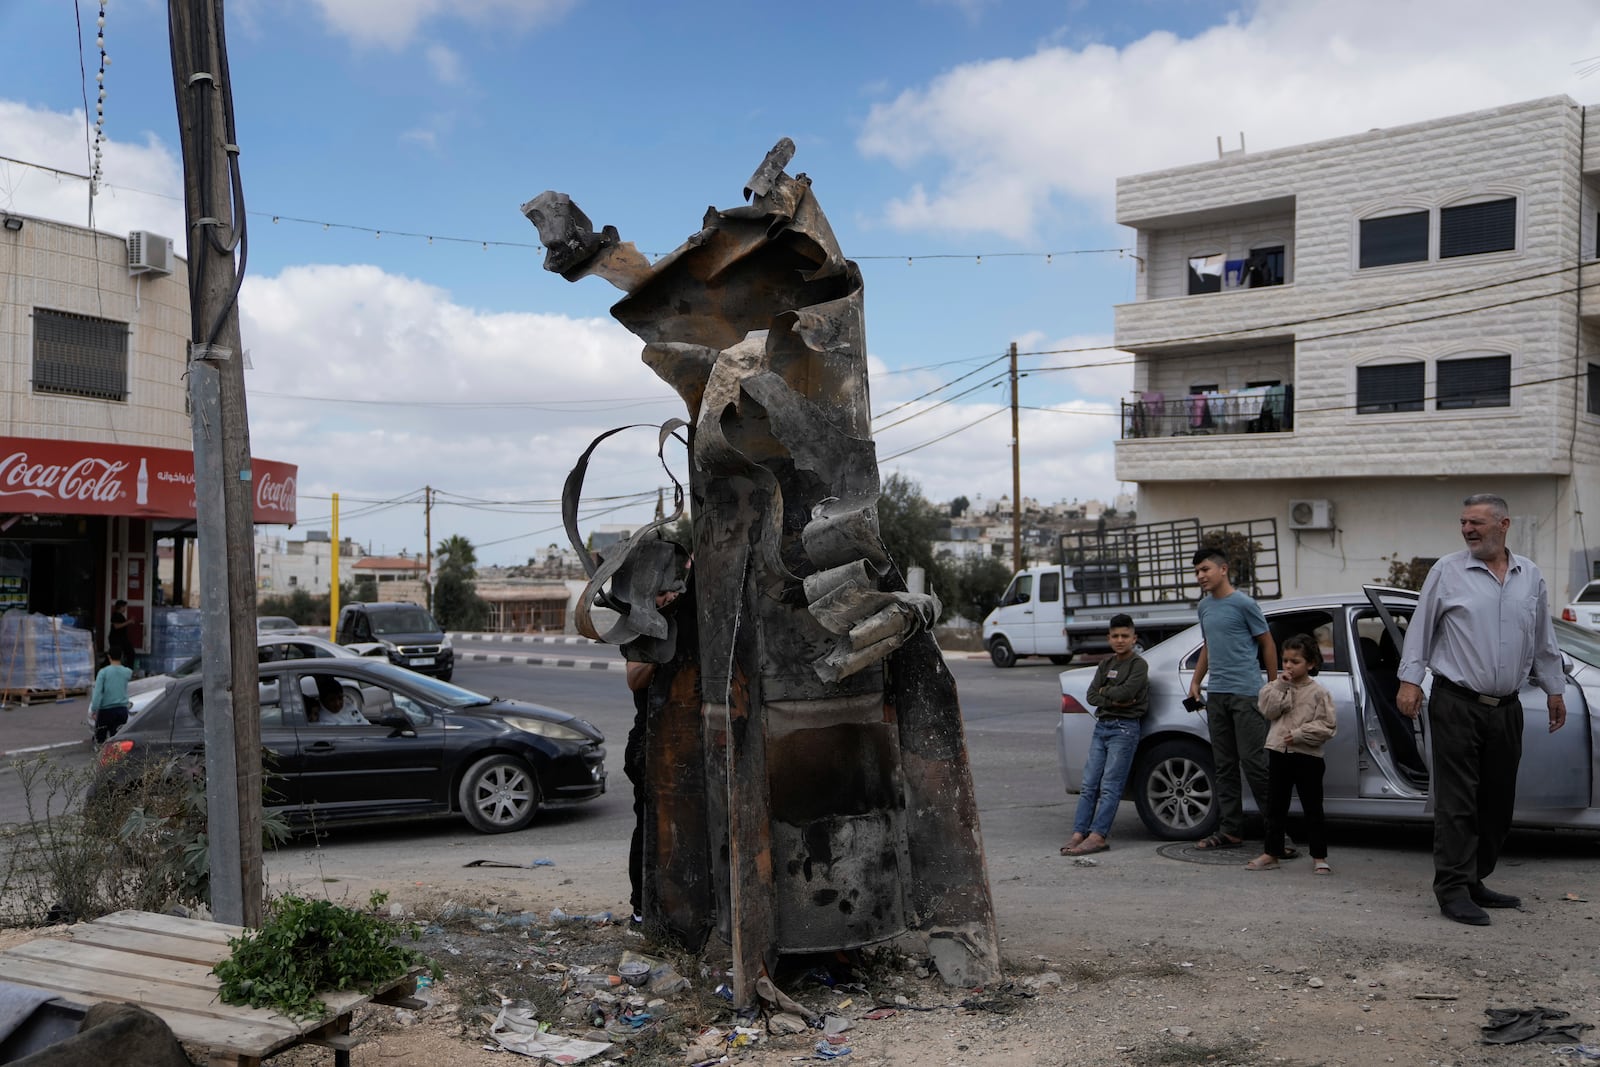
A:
(1192, 704)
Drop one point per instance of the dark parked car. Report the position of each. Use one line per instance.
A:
(363, 739)
(406, 631)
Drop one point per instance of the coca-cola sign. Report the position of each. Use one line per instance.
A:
(47, 477)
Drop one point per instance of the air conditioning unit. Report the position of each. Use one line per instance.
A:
(149, 253)
(1310, 514)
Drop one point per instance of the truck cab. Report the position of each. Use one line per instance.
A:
(1028, 619)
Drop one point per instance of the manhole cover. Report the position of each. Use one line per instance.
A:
(1216, 857)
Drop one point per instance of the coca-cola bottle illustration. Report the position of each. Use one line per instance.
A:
(142, 486)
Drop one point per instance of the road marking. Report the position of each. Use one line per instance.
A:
(531, 639)
(38, 748)
(617, 664)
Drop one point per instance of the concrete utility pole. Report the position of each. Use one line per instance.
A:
(224, 497)
(427, 542)
(1016, 470)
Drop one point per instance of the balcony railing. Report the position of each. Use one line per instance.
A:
(1267, 409)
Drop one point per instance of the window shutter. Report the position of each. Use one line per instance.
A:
(1473, 229)
(1484, 382)
(1394, 239)
(1389, 387)
(79, 355)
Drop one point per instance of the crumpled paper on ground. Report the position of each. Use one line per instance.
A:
(516, 1030)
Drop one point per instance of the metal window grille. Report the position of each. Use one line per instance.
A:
(1394, 239)
(1389, 387)
(1473, 229)
(1483, 382)
(79, 355)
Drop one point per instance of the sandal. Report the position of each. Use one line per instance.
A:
(1217, 840)
(1262, 864)
(1087, 849)
(1321, 867)
(1072, 842)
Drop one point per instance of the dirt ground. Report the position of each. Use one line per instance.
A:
(1307, 971)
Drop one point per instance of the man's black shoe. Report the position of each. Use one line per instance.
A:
(1485, 897)
(1463, 911)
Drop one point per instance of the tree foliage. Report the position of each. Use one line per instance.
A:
(907, 523)
(970, 587)
(456, 603)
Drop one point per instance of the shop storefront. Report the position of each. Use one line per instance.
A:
(80, 522)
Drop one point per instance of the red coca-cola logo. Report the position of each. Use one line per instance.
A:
(275, 496)
(90, 478)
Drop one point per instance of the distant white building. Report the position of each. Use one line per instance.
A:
(282, 565)
(1352, 335)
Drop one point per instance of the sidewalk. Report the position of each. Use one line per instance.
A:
(43, 726)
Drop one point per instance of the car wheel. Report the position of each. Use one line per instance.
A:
(1000, 652)
(499, 794)
(1174, 790)
(1061, 661)
(446, 674)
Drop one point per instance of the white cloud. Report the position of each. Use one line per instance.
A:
(374, 344)
(1001, 145)
(394, 23)
(134, 170)
(445, 63)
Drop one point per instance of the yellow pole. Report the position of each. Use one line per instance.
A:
(333, 585)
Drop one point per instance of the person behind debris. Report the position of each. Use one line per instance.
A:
(1482, 624)
(1236, 633)
(1303, 719)
(1120, 694)
(108, 701)
(639, 675)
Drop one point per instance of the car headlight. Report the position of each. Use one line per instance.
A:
(446, 643)
(554, 730)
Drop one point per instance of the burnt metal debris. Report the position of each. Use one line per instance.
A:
(809, 785)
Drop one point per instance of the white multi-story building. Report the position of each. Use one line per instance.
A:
(1353, 335)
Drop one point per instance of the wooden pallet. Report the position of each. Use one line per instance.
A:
(163, 964)
(28, 697)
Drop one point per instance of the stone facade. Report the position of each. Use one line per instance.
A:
(1394, 478)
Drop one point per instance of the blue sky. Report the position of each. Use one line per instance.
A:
(940, 127)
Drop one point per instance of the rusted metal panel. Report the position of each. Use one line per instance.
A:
(832, 780)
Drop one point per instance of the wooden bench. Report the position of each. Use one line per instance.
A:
(163, 964)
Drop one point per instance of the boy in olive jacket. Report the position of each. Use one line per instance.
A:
(1120, 695)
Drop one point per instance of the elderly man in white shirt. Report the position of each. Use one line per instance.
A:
(1482, 624)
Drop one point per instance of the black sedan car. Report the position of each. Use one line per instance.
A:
(360, 739)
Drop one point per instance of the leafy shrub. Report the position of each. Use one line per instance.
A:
(306, 947)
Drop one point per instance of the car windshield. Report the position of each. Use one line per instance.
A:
(1589, 594)
(1582, 645)
(276, 622)
(412, 621)
(434, 691)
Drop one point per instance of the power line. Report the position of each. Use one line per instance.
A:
(941, 437)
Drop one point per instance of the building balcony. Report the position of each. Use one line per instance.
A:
(1268, 409)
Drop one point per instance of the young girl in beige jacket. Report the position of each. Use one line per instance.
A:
(1303, 719)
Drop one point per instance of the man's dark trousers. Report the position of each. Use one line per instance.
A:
(1238, 743)
(1476, 750)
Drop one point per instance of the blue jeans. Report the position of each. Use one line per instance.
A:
(1105, 774)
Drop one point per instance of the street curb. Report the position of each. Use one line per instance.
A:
(531, 639)
(617, 664)
(31, 749)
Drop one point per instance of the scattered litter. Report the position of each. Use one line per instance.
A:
(708, 1046)
(835, 1024)
(424, 981)
(1509, 1026)
(1085, 861)
(1037, 983)
(877, 1014)
(503, 863)
(845, 1003)
(787, 1022)
(516, 1030)
(825, 1051)
(777, 997)
(1575, 898)
(557, 917)
(744, 1037)
(1433, 996)
(725, 992)
(1586, 1053)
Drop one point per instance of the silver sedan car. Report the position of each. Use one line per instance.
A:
(1377, 764)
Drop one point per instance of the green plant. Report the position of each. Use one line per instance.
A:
(1405, 574)
(307, 947)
